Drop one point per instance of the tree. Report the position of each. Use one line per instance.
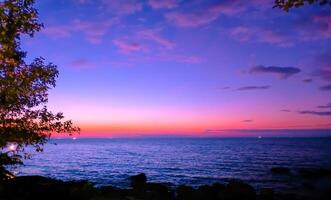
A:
(286, 5)
(24, 117)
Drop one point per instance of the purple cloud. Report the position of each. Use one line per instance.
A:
(324, 73)
(159, 4)
(154, 36)
(326, 87)
(245, 88)
(212, 12)
(205, 16)
(57, 31)
(254, 34)
(248, 121)
(127, 47)
(116, 7)
(309, 112)
(123, 7)
(180, 58)
(82, 64)
(92, 30)
(223, 88)
(282, 72)
(308, 80)
(316, 27)
(285, 110)
(190, 19)
(325, 106)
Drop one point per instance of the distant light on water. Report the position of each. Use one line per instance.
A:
(74, 138)
(12, 146)
(260, 137)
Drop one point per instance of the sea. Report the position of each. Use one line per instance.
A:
(179, 161)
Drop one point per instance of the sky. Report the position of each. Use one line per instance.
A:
(198, 67)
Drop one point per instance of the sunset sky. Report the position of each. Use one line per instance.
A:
(186, 67)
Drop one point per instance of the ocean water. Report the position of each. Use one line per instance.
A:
(191, 161)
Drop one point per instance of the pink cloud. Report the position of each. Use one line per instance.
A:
(154, 36)
(253, 34)
(213, 12)
(180, 58)
(319, 28)
(190, 19)
(313, 26)
(57, 31)
(82, 64)
(93, 31)
(127, 47)
(227, 8)
(159, 4)
(81, 1)
(116, 7)
(123, 7)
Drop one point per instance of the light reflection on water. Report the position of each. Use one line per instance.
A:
(178, 161)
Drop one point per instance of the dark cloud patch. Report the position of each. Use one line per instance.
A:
(282, 72)
(308, 80)
(326, 87)
(323, 66)
(312, 112)
(285, 110)
(247, 120)
(325, 106)
(82, 64)
(223, 88)
(324, 73)
(245, 88)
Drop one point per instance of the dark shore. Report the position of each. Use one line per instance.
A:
(317, 186)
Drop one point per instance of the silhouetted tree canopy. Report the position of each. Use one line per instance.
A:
(24, 117)
(288, 4)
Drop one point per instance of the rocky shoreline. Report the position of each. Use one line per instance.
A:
(318, 182)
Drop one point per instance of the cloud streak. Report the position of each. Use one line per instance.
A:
(163, 4)
(204, 16)
(127, 47)
(212, 12)
(282, 72)
(324, 73)
(93, 31)
(261, 35)
(82, 64)
(153, 35)
(325, 106)
(245, 88)
(326, 87)
(319, 113)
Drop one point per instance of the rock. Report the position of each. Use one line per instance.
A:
(280, 170)
(80, 189)
(206, 192)
(110, 192)
(185, 193)
(218, 189)
(238, 190)
(138, 184)
(138, 181)
(315, 173)
(159, 191)
(37, 187)
(267, 194)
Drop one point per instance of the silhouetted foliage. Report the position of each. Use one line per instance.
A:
(24, 117)
(286, 5)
